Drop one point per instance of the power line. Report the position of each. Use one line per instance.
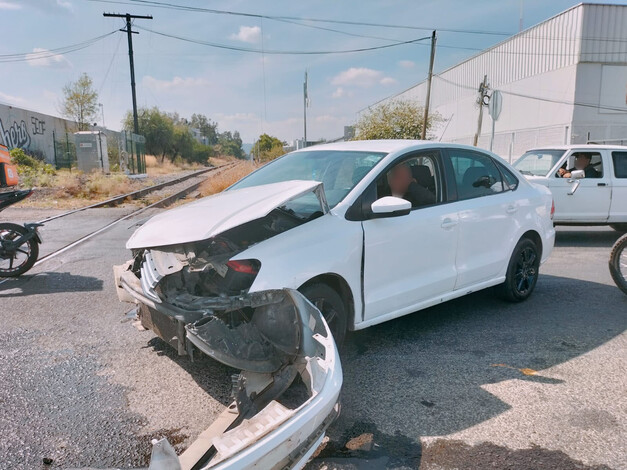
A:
(281, 52)
(540, 98)
(174, 6)
(38, 55)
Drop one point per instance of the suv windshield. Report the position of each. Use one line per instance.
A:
(338, 170)
(538, 162)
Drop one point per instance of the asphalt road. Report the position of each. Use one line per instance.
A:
(474, 383)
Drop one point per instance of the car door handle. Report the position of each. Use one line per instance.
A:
(511, 209)
(601, 184)
(449, 223)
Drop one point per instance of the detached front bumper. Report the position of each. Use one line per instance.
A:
(286, 338)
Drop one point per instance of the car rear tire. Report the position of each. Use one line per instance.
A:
(522, 272)
(619, 227)
(328, 301)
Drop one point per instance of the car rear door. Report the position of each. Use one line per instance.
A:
(488, 210)
(410, 258)
(586, 199)
(618, 207)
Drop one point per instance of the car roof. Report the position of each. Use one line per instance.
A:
(387, 146)
(579, 147)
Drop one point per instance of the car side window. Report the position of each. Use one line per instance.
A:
(416, 179)
(476, 174)
(620, 164)
(509, 179)
(590, 162)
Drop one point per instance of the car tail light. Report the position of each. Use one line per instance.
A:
(246, 266)
(552, 209)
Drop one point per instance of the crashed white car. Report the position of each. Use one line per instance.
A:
(366, 231)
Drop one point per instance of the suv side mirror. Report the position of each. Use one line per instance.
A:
(390, 206)
(577, 174)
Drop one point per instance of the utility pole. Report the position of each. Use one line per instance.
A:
(130, 33)
(305, 104)
(483, 93)
(428, 98)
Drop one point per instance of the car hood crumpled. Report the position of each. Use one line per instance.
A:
(215, 214)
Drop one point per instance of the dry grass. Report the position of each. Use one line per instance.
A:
(224, 179)
(69, 190)
(154, 167)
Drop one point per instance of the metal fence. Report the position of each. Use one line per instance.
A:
(127, 151)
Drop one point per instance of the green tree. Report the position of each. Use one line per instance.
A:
(398, 119)
(156, 127)
(80, 102)
(182, 143)
(230, 144)
(207, 129)
(267, 148)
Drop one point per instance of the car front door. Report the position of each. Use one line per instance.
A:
(410, 258)
(488, 208)
(618, 209)
(586, 199)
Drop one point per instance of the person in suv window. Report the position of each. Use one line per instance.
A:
(402, 184)
(582, 162)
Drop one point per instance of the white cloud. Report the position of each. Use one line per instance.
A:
(361, 77)
(177, 84)
(41, 57)
(387, 81)
(407, 64)
(9, 6)
(250, 34)
(338, 93)
(11, 98)
(62, 6)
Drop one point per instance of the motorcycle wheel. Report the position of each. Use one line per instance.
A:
(16, 260)
(618, 263)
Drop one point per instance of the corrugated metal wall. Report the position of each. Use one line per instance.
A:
(584, 33)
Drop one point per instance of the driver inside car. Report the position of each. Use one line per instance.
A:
(582, 162)
(402, 184)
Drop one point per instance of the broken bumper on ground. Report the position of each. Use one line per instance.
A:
(287, 392)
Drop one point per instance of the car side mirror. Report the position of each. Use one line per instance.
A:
(577, 174)
(390, 206)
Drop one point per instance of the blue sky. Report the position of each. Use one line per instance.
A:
(248, 92)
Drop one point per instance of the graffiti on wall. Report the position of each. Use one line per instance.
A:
(16, 135)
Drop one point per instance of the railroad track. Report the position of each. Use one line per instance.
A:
(164, 202)
(114, 201)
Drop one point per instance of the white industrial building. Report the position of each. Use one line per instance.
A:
(562, 81)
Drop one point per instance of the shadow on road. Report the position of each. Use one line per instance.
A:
(49, 283)
(212, 376)
(585, 237)
(422, 375)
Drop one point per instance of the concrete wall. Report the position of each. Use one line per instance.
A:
(32, 131)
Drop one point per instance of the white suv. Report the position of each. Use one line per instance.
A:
(593, 193)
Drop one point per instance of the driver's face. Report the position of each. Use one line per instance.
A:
(581, 162)
(399, 179)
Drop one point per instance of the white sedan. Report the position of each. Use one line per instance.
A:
(367, 231)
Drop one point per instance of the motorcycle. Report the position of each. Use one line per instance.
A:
(618, 263)
(19, 244)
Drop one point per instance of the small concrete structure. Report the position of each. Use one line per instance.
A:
(91, 151)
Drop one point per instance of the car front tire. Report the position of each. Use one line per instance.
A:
(328, 301)
(522, 272)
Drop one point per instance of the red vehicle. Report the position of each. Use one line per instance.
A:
(19, 244)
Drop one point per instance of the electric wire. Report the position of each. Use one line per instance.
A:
(281, 52)
(39, 55)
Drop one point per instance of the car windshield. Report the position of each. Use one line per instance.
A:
(538, 162)
(338, 170)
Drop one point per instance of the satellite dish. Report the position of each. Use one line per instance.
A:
(495, 105)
